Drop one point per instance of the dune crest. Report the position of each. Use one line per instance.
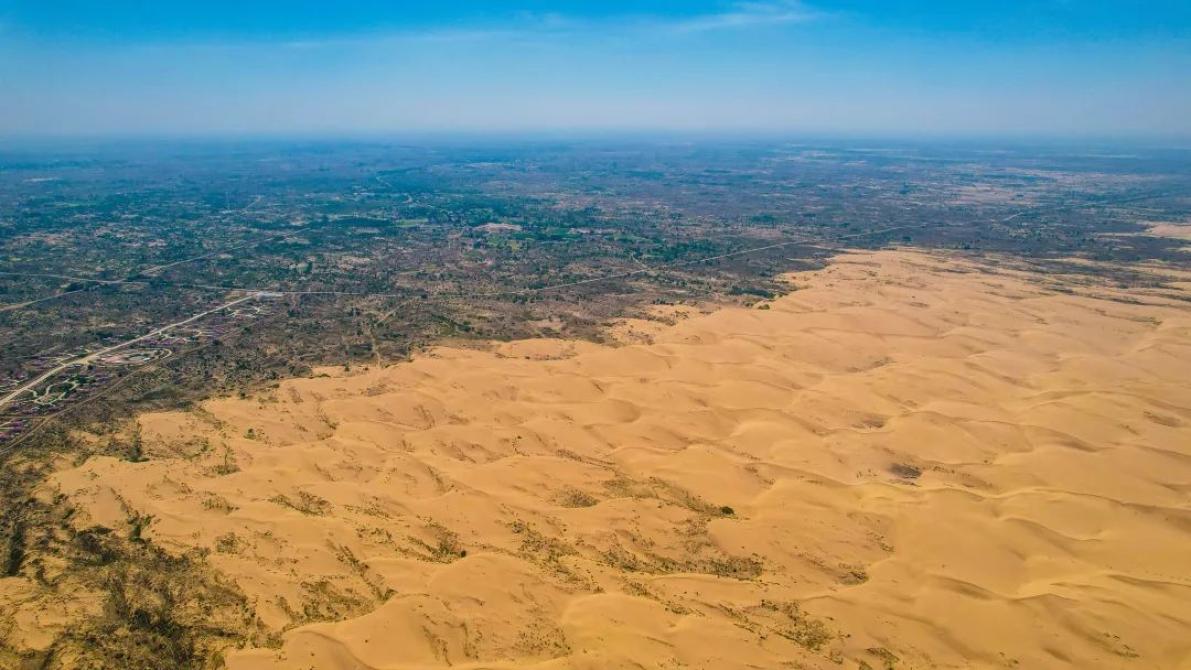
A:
(909, 461)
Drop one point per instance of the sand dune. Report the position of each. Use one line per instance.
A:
(908, 462)
(1180, 231)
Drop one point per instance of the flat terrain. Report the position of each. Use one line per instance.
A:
(914, 459)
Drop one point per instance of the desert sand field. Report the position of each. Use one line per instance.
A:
(1180, 231)
(910, 461)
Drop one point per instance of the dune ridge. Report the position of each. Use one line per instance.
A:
(910, 461)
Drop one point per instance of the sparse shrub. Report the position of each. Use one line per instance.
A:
(854, 577)
(888, 658)
(216, 503)
(137, 524)
(572, 497)
(798, 627)
(446, 547)
(306, 503)
(227, 543)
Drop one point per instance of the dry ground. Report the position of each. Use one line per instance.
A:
(910, 461)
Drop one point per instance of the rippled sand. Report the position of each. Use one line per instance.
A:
(908, 462)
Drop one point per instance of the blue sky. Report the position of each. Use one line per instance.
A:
(847, 67)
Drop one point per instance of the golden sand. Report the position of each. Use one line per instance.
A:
(1181, 231)
(908, 462)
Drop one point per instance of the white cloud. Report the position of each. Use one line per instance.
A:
(747, 15)
(444, 35)
(530, 25)
(525, 25)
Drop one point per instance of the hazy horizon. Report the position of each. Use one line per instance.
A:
(827, 68)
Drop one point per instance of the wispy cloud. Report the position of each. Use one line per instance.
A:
(437, 35)
(523, 26)
(530, 25)
(527, 28)
(747, 15)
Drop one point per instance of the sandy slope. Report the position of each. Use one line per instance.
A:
(927, 466)
(1180, 231)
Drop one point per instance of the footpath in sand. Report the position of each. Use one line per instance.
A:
(908, 462)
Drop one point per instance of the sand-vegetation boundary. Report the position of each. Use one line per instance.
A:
(911, 460)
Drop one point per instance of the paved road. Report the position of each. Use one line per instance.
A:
(87, 358)
(1043, 209)
(22, 305)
